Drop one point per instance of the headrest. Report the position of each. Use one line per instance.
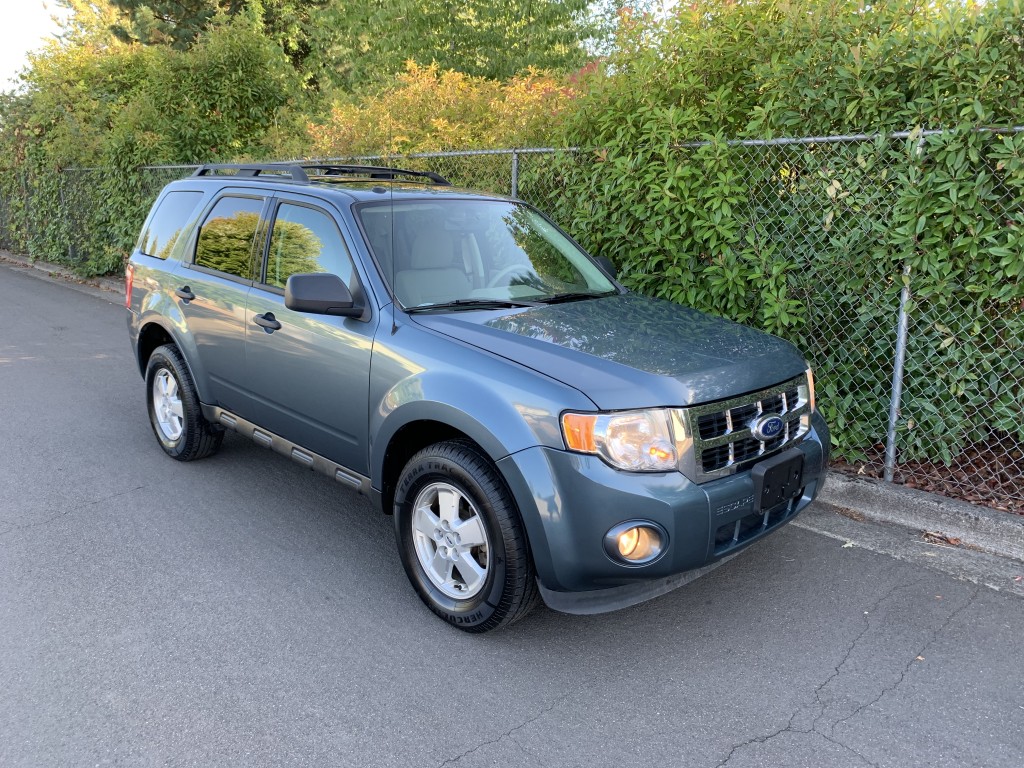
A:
(432, 249)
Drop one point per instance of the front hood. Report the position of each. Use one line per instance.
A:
(629, 351)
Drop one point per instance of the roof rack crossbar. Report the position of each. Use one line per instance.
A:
(373, 172)
(298, 171)
(254, 169)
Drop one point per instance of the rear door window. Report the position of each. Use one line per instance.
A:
(305, 240)
(168, 222)
(226, 238)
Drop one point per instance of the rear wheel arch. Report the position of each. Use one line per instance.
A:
(151, 336)
(175, 412)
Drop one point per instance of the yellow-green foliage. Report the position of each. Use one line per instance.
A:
(429, 109)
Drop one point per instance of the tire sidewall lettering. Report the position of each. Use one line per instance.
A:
(480, 608)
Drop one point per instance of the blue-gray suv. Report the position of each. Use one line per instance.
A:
(537, 431)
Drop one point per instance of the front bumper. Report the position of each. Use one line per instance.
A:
(569, 501)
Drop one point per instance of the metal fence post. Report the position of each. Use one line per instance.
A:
(64, 215)
(897, 377)
(889, 468)
(515, 173)
(28, 222)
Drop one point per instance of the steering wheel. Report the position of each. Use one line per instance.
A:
(508, 271)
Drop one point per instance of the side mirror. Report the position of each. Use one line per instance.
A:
(320, 293)
(606, 264)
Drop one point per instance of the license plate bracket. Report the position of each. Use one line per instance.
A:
(777, 479)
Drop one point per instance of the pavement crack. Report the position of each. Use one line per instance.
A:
(788, 728)
(837, 670)
(66, 512)
(847, 747)
(759, 739)
(507, 734)
(852, 647)
(910, 664)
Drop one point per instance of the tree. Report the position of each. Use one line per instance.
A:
(496, 39)
(358, 46)
(175, 23)
(178, 24)
(88, 21)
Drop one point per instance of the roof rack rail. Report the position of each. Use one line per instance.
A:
(373, 172)
(254, 169)
(299, 171)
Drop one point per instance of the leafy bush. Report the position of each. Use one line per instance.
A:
(810, 242)
(429, 109)
(115, 109)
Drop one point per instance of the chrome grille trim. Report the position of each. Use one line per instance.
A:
(725, 452)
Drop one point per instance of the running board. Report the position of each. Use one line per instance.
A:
(296, 453)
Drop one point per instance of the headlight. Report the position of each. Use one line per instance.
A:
(807, 391)
(637, 441)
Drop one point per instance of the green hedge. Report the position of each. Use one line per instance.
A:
(112, 110)
(809, 241)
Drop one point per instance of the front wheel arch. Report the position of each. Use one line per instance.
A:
(413, 428)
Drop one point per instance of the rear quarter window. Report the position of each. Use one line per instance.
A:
(167, 223)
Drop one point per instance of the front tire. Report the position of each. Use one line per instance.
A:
(460, 539)
(174, 410)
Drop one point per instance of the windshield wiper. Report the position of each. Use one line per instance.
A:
(474, 304)
(558, 298)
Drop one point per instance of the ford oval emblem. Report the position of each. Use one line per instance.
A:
(767, 426)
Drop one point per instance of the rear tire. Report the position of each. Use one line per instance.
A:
(461, 540)
(174, 410)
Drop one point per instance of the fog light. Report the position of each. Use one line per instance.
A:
(628, 542)
(634, 543)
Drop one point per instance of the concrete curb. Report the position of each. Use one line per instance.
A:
(999, 533)
(112, 284)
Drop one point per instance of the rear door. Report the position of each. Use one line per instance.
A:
(211, 290)
(309, 379)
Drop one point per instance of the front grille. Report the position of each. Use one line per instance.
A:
(721, 422)
(722, 436)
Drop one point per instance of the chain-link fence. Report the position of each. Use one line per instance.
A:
(920, 373)
(825, 207)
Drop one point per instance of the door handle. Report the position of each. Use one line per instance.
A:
(185, 294)
(267, 321)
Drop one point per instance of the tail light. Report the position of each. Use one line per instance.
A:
(129, 278)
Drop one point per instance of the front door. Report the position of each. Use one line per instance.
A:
(309, 378)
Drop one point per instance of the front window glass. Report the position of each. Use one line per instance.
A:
(305, 240)
(439, 251)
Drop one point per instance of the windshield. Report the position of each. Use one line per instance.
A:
(443, 251)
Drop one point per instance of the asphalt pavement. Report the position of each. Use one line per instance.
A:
(242, 611)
